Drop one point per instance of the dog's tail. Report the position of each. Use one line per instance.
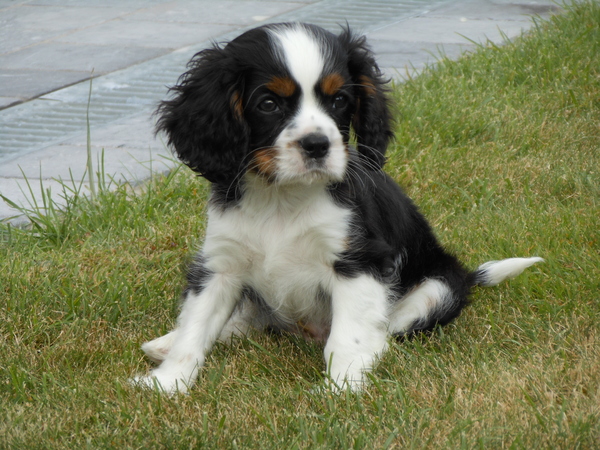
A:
(494, 272)
(437, 301)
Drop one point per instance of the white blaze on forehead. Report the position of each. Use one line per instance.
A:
(302, 54)
(305, 56)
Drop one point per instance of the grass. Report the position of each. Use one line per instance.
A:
(500, 150)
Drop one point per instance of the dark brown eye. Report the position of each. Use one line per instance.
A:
(268, 106)
(340, 102)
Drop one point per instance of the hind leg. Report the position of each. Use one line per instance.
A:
(434, 301)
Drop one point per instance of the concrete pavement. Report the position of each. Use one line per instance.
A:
(49, 50)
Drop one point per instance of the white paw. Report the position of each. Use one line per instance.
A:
(355, 381)
(162, 382)
(338, 387)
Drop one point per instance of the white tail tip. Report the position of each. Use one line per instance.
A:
(494, 272)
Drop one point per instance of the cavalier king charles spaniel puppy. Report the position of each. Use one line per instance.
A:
(306, 233)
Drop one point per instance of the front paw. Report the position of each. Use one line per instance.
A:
(163, 382)
(337, 386)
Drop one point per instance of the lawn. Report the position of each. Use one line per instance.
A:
(501, 150)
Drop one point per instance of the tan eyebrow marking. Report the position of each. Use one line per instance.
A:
(332, 83)
(282, 86)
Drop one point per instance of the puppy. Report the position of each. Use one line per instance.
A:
(306, 233)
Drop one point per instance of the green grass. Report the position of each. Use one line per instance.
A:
(501, 150)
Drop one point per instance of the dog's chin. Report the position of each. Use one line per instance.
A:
(311, 175)
(308, 171)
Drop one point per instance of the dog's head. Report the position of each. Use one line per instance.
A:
(279, 101)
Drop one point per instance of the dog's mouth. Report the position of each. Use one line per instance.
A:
(311, 171)
(292, 164)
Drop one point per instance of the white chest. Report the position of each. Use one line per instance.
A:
(282, 248)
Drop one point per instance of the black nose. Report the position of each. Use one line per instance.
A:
(315, 145)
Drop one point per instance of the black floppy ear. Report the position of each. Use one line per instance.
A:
(204, 120)
(371, 121)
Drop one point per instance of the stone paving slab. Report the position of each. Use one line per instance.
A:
(442, 30)
(139, 34)
(75, 57)
(496, 9)
(402, 59)
(26, 83)
(119, 134)
(16, 190)
(31, 20)
(246, 12)
(68, 162)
